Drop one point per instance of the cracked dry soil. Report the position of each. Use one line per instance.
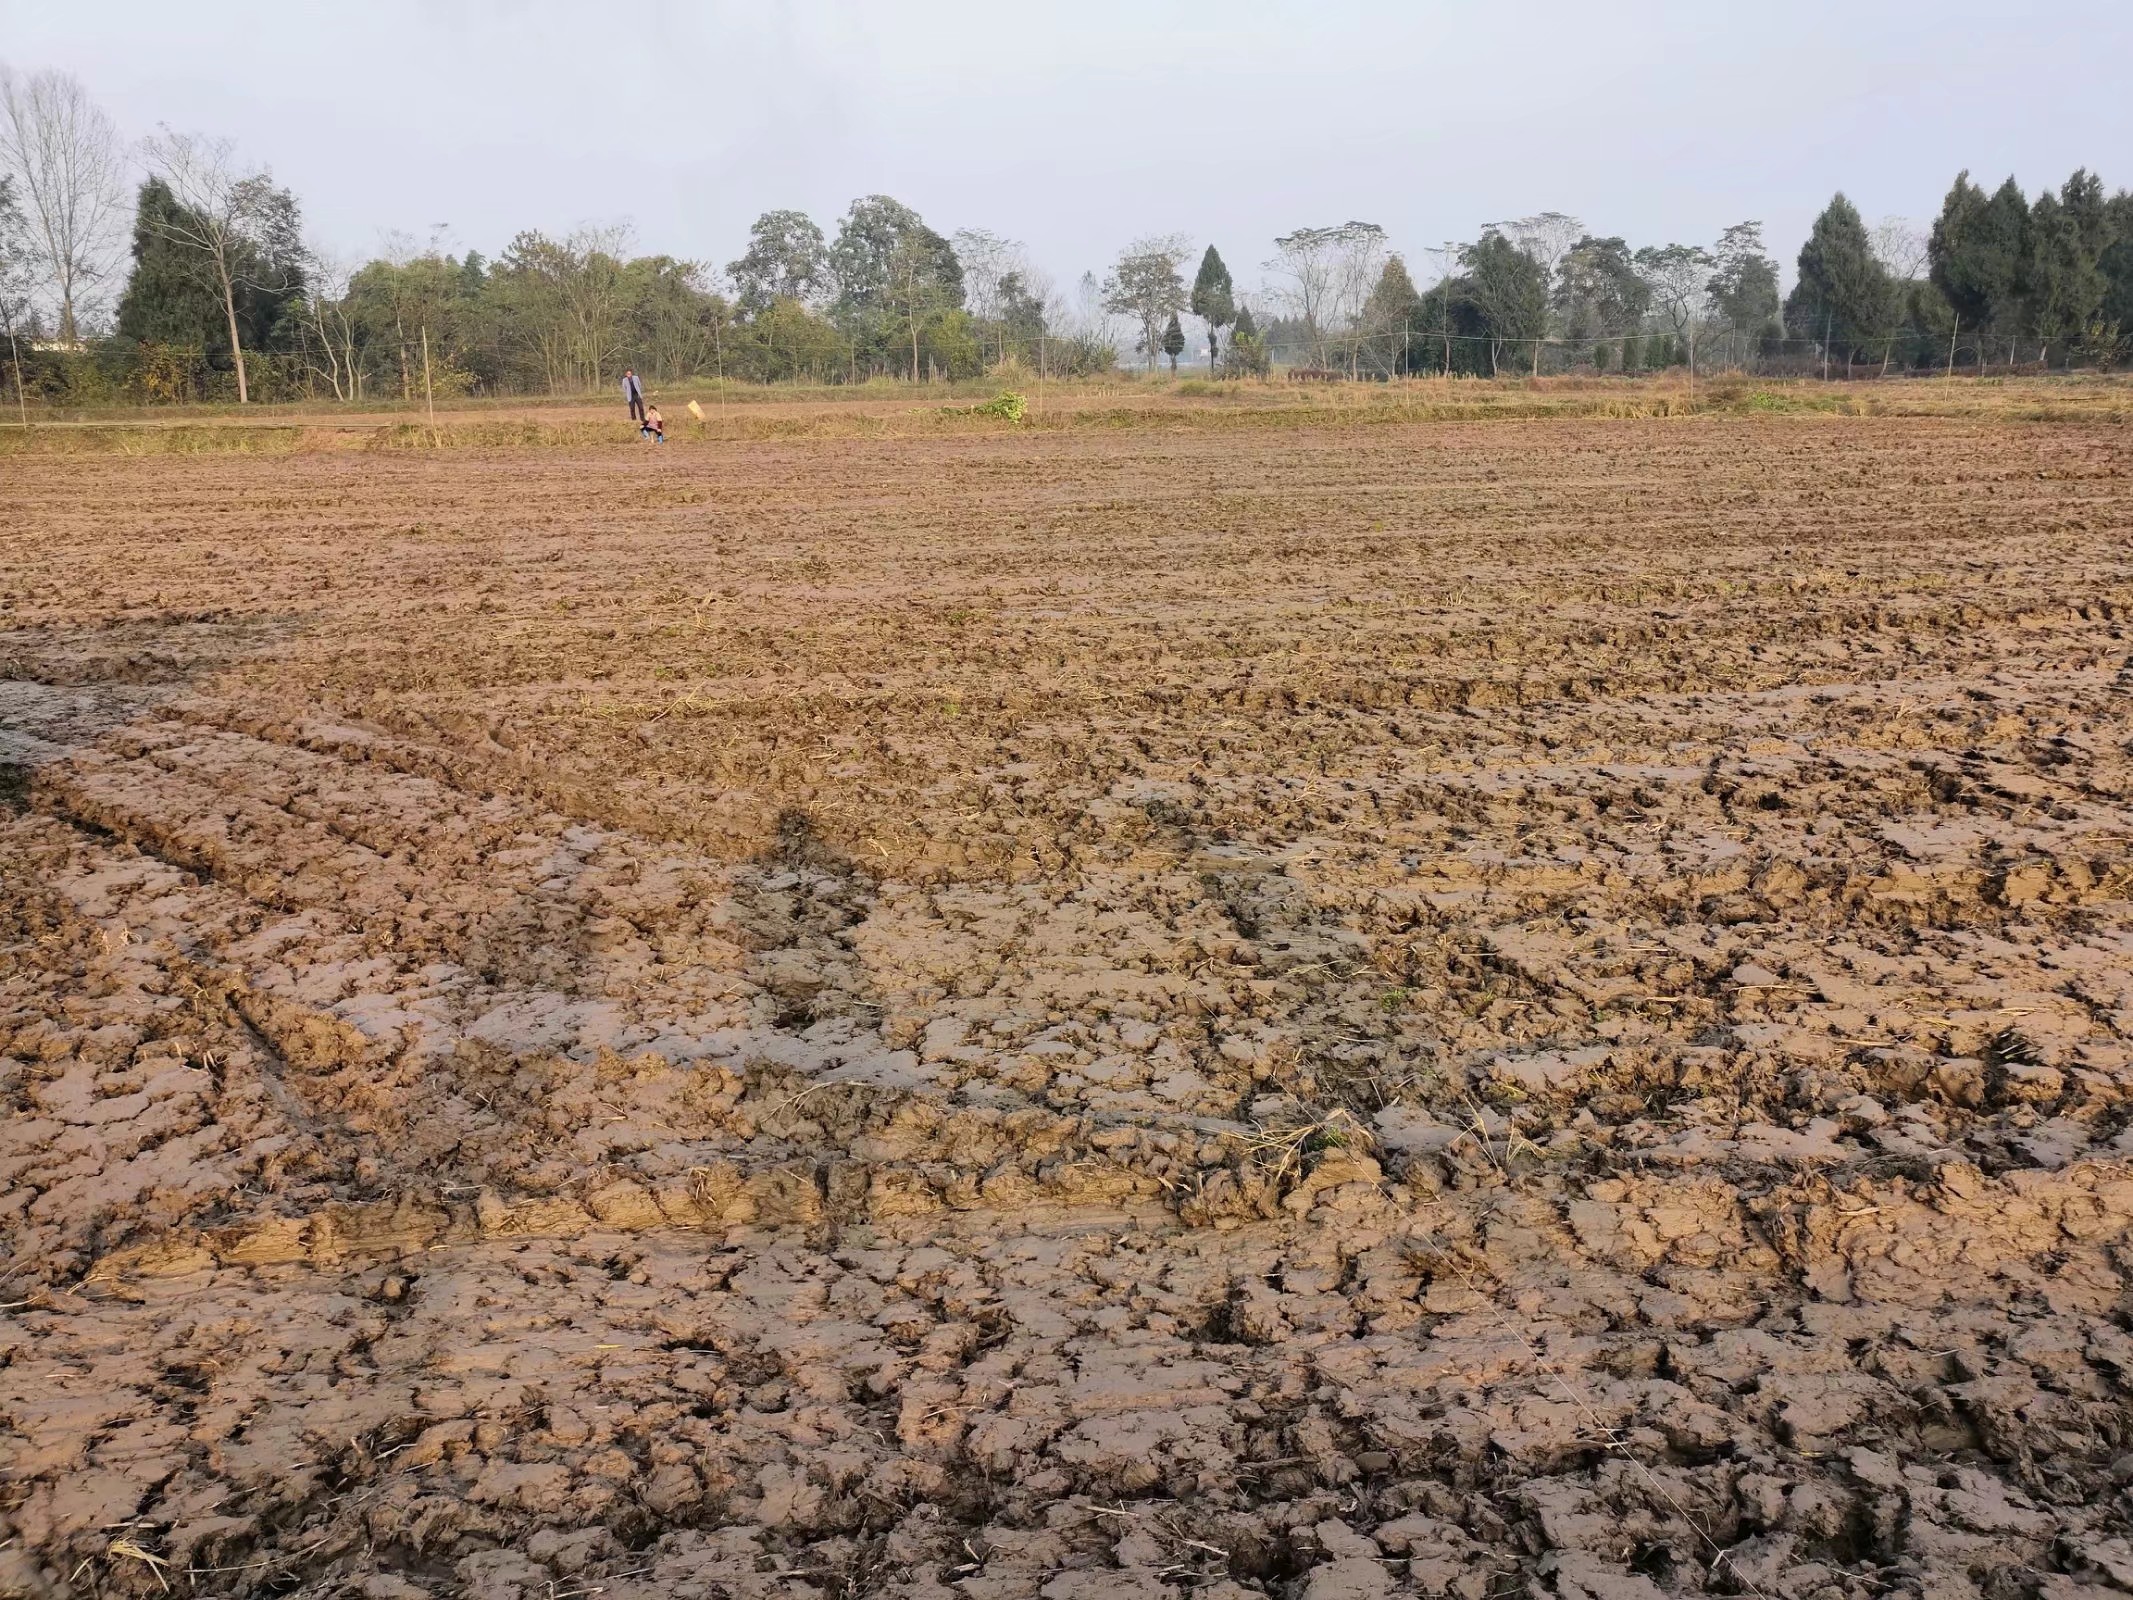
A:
(1466, 1010)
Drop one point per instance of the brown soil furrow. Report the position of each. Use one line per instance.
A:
(1535, 1007)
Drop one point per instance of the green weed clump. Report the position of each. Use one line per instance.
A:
(1008, 405)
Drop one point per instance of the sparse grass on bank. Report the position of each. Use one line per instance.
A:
(891, 411)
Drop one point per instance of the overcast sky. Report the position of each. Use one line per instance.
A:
(1076, 127)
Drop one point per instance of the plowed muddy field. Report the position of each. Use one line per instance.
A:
(1468, 1010)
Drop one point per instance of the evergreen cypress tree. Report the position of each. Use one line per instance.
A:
(2116, 263)
(2063, 283)
(1394, 318)
(1976, 253)
(1213, 301)
(1247, 351)
(171, 297)
(1173, 342)
(168, 299)
(1844, 294)
(2085, 204)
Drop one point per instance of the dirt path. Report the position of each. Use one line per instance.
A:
(1324, 1014)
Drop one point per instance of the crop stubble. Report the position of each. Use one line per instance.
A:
(1331, 1011)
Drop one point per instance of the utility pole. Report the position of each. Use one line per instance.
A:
(1447, 308)
(1952, 333)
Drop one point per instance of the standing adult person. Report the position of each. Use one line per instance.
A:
(633, 392)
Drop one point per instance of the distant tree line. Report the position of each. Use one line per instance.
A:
(888, 296)
(1998, 280)
(215, 292)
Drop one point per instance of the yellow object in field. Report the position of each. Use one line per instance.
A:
(696, 411)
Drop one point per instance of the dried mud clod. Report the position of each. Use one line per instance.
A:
(933, 1020)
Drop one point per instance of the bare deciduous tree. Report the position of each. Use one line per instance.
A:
(64, 155)
(1305, 268)
(1900, 246)
(1679, 277)
(1359, 261)
(1087, 319)
(986, 259)
(1547, 237)
(227, 217)
(1327, 274)
(330, 319)
(990, 265)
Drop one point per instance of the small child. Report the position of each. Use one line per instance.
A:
(654, 426)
